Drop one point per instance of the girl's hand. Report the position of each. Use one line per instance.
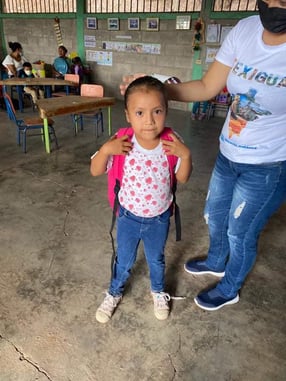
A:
(117, 146)
(176, 147)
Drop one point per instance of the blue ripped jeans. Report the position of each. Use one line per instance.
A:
(130, 231)
(241, 198)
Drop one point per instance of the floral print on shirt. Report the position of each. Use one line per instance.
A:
(145, 188)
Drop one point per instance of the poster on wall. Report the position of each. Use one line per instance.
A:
(132, 47)
(183, 22)
(210, 54)
(213, 31)
(89, 41)
(91, 23)
(100, 57)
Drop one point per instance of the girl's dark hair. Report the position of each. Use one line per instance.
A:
(14, 46)
(76, 61)
(27, 64)
(63, 48)
(148, 83)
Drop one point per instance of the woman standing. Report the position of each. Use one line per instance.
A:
(248, 183)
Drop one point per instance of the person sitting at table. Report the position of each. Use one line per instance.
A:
(77, 68)
(13, 62)
(36, 92)
(196, 114)
(62, 64)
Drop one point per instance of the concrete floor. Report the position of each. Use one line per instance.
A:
(55, 265)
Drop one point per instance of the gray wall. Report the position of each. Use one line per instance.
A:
(38, 39)
(175, 58)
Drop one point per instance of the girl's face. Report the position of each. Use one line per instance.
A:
(62, 53)
(146, 112)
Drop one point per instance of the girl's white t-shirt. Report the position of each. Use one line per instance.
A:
(145, 188)
(254, 131)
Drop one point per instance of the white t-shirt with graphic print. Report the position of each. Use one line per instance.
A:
(255, 129)
(145, 188)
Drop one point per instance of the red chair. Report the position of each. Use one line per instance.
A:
(90, 90)
(69, 77)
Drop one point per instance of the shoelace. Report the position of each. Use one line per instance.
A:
(168, 297)
(109, 302)
(163, 297)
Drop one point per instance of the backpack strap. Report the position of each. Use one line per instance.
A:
(114, 211)
(172, 160)
(177, 214)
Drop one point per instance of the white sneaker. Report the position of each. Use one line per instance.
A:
(161, 305)
(202, 116)
(107, 307)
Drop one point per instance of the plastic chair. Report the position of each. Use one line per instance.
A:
(28, 124)
(69, 77)
(220, 103)
(90, 90)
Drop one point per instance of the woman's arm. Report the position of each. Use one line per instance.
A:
(200, 90)
(11, 68)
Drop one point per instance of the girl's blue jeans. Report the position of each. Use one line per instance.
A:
(130, 231)
(241, 198)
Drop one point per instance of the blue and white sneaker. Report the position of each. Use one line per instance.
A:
(197, 267)
(213, 300)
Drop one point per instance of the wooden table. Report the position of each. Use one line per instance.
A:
(46, 82)
(71, 104)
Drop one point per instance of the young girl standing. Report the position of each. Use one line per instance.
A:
(145, 195)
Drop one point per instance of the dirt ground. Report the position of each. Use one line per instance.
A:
(55, 266)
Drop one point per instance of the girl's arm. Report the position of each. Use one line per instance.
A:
(186, 166)
(178, 148)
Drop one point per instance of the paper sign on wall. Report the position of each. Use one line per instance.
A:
(100, 57)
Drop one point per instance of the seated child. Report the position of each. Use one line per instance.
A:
(35, 91)
(196, 108)
(77, 68)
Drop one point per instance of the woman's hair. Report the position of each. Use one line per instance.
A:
(146, 83)
(63, 48)
(14, 46)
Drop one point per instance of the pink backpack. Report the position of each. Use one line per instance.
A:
(115, 175)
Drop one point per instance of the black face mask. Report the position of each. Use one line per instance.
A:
(273, 19)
